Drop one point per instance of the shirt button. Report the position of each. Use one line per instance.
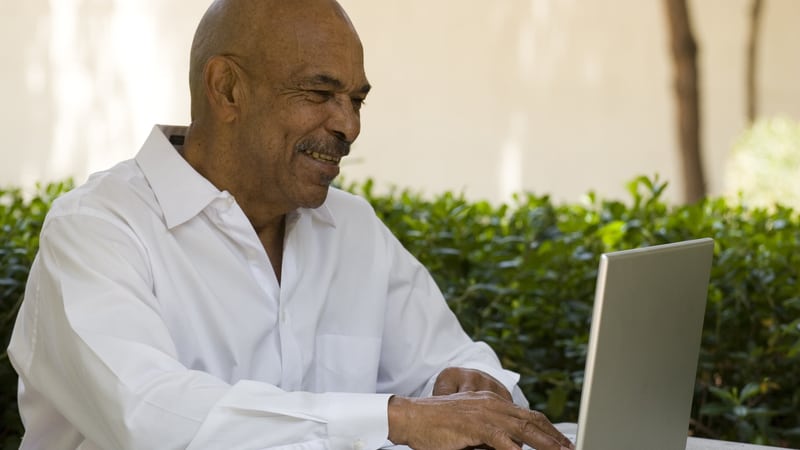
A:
(283, 316)
(358, 445)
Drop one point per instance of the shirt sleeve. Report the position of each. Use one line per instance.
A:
(423, 336)
(89, 339)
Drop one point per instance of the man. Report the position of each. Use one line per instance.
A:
(215, 293)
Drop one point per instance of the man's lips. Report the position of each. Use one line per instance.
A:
(324, 151)
(323, 157)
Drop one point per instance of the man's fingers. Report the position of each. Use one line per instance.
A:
(534, 429)
(502, 435)
(543, 423)
(540, 438)
(445, 386)
(500, 440)
(531, 427)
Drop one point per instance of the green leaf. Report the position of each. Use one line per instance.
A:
(714, 409)
(722, 394)
(750, 390)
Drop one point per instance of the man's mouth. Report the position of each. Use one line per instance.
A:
(323, 157)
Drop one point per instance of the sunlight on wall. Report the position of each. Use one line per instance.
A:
(35, 82)
(543, 42)
(764, 164)
(103, 79)
(128, 79)
(71, 84)
(511, 159)
(86, 81)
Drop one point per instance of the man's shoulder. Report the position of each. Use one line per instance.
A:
(352, 212)
(114, 191)
(343, 201)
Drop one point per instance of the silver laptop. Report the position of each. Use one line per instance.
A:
(644, 346)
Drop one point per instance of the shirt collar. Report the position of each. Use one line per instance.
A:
(180, 190)
(323, 213)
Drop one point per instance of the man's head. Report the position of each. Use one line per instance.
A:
(276, 90)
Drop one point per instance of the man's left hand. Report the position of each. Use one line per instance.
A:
(456, 379)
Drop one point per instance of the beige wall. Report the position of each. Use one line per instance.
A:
(485, 97)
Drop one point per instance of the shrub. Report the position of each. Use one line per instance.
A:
(521, 277)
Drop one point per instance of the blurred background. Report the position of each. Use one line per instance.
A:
(486, 98)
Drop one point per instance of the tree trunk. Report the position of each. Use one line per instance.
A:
(684, 55)
(752, 60)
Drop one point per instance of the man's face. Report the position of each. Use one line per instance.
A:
(301, 111)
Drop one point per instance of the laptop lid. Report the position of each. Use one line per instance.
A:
(643, 347)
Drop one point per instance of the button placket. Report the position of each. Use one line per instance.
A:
(292, 353)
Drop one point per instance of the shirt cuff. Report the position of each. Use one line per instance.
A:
(357, 421)
(347, 421)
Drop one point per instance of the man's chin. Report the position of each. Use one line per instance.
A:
(316, 198)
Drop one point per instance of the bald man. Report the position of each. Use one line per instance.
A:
(216, 293)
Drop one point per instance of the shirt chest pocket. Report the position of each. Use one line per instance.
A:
(346, 363)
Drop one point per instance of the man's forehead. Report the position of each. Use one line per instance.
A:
(327, 51)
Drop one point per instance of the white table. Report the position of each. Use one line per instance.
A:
(692, 443)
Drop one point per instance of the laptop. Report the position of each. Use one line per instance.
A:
(644, 345)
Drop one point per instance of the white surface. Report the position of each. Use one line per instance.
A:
(692, 443)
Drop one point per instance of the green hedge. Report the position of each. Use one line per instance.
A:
(521, 276)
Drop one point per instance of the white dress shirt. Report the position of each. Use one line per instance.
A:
(153, 320)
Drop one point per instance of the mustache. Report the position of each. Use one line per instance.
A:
(331, 146)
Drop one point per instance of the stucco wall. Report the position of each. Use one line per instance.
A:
(485, 97)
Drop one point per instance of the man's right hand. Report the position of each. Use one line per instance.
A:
(468, 419)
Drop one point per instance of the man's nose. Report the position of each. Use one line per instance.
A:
(345, 120)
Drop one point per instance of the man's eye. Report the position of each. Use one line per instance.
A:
(358, 103)
(320, 96)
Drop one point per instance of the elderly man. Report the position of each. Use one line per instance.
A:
(216, 293)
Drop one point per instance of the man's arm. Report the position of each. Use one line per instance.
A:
(470, 405)
(90, 339)
(422, 336)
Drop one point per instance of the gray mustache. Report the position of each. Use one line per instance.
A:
(333, 146)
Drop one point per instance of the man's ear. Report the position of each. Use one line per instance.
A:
(223, 88)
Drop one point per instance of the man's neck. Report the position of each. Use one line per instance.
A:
(268, 221)
(272, 237)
